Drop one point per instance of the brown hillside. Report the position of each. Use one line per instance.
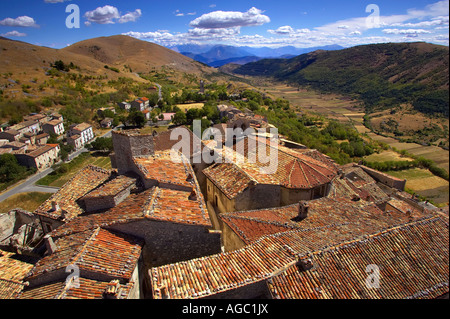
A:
(140, 56)
(26, 61)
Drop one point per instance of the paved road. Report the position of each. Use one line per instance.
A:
(28, 186)
(159, 91)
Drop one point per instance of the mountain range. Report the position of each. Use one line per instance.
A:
(382, 75)
(219, 55)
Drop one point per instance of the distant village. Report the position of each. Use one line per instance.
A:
(158, 228)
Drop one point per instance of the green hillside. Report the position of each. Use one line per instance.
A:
(381, 75)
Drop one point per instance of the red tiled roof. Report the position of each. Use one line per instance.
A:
(229, 178)
(133, 208)
(270, 255)
(175, 206)
(86, 289)
(294, 170)
(92, 252)
(166, 167)
(411, 265)
(10, 289)
(111, 188)
(87, 179)
(154, 204)
(252, 225)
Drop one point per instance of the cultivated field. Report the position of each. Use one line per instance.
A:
(434, 153)
(387, 156)
(185, 107)
(424, 183)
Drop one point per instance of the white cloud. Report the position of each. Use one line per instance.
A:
(109, 14)
(23, 21)
(406, 31)
(13, 34)
(230, 19)
(103, 15)
(131, 16)
(288, 30)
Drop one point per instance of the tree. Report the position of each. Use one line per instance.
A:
(180, 118)
(103, 144)
(137, 118)
(10, 169)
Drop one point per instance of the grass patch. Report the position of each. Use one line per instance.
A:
(64, 172)
(387, 156)
(26, 201)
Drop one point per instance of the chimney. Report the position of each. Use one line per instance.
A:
(50, 244)
(193, 195)
(55, 207)
(303, 210)
(164, 293)
(112, 290)
(305, 264)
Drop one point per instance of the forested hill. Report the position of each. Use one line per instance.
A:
(382, 75)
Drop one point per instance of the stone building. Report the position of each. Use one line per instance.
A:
(40, 158)
(54, 127)
(84, 130)
(241, 184)
(155, 202)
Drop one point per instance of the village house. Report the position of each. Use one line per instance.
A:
(107, 122)
(41, 139)
(41, 118)
(15, 146)
(10, 135)
(76, 141)
(40, 158)
(307, 263)
(33, 127)
(54, 127)
(124, 106)
(155, 202)
(140, 104)
(84, 130)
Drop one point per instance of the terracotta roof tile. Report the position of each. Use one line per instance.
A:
(401, 255)
(166, 167)
(91, 251)
(294, 170)
(271, 255)
(66, 197)
(179, 207)
(13, 266)
(112, 188)
(252, 225)
(10, 289)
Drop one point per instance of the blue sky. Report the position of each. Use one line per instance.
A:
(234, 22)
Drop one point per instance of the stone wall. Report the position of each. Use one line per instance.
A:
(231, 240)
(127, 146)
(385, 179)
(168, 242)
